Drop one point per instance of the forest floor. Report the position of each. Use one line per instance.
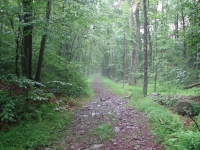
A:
(106, 123)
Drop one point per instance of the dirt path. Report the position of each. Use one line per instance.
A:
(129, 125)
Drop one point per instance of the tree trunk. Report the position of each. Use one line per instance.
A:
(124, 58)
(176, 26)
(17, 52)
(42, 46)
(89, 60)
(27, 39)
(155, 68)
(137, 44)
(17, 41)
(133, 53)
(199, 13)
(184, 44)
(145, 50)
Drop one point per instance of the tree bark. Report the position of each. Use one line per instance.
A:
(17, 52)
(199, 14)
(133, 53)
(124, 57)
(42, 46)
(27, 39)
(145, 50)
(137, 44)
(176, 26)
(184, 43)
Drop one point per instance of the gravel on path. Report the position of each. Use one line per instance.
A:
(130, 125)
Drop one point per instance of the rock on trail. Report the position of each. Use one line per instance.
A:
(130, 125)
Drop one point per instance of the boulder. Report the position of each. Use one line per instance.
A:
(47, 148)
(184, 108)
(155, 94)
(97, 147)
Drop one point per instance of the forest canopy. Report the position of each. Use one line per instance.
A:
(47, 47)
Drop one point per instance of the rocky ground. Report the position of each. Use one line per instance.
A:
(130, 127)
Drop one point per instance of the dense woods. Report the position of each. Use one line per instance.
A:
(43, 52)
(168, 47)
(49, 47)
(53, 44)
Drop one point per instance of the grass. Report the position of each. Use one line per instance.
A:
(104, 132)
(35, 134)
(171, 132)
(47, 128)
(174, 90)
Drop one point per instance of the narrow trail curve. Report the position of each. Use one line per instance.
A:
(131, 126)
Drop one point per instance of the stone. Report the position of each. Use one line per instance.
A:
(81, 132)
(84, 116)
(102, 99)
(155, 94)
(72, 147)
(117, 129)
(47, 148)
(93, 114)
(97, 147)
(115, 143)
(184, 108)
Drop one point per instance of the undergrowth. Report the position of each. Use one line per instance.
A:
(35, 133)
(165, 125)
(44, 126)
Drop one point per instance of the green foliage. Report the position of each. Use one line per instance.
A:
(7, 107)
(11, 107)
(183, 140)
(171, 132)
(104, 132)
(69, 76)
(35, 134)
(13, 104)
(196, 108)
(155, 112)
(21, 82)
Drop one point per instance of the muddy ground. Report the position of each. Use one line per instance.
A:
(130, 127)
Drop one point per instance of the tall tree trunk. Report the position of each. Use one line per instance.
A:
(155, 65)
(124, 57)
(137, 44)
(42, 46)
(184, 43)
(199, 13)
(150, 48)
(17, 41)
(89, 60)
(17, 52)
(176, 26)
(133, 53)
(145, 49)
(27, 39)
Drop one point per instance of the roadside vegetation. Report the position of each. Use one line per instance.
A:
(168, 127)
(49, 48)
(104, 132)
(43, 124)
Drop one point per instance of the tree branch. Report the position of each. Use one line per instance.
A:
(192, 85)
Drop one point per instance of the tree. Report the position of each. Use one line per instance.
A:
(133, 53)
(27, 39)
(145, 84)
(124, 57)
(42, 46)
